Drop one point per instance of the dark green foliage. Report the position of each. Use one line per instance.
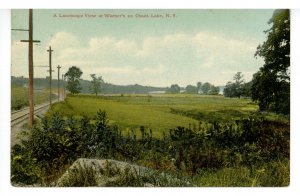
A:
(271, 84)
(237, 88)
(173, 89)
(246, 89)
(24, 167)
(271, 94)
(184, 151)
(73, 79)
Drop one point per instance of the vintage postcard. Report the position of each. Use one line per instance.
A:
(150, 98)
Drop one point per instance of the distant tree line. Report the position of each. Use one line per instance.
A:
(108, 88)
(205, 88)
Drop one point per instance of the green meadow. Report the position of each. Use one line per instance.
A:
(157, 112)
(19, 97)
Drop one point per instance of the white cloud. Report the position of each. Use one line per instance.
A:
(63, 40)
(164, 57)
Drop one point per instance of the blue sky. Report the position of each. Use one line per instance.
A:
(189, 46)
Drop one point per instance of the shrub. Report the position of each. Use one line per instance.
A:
(244, 143)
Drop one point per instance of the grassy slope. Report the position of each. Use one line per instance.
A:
(19, 97)
(155, 111)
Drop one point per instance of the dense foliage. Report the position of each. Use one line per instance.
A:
(73, 79)
(238, 87)
(271, 84)
(58, 141)
(173, 89)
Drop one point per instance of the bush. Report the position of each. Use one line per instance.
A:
(244, 143)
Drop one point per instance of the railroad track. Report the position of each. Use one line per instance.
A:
(22, 115)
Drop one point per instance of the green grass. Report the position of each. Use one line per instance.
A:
(19, 97)
(272, 174)
(159, 113)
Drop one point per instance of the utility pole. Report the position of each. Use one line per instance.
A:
(63, 83)
(50, 71)
(30, 66)
(58, 67)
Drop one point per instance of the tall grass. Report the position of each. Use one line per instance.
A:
(19, 97)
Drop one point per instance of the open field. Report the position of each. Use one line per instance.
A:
(222, 143)
(19, 97)
(157, 112)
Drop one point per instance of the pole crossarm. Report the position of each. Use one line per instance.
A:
(20, 29)
(50, 50)
(32, 41)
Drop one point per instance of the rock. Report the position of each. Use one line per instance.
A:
(103, 171)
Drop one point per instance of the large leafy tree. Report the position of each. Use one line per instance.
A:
(96, 84)
(73, 79)
(271, 84)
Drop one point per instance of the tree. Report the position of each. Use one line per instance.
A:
(230, 90)
(271, 84)
(205, 88)
(214, 90)
(96, 84)
(73, 77)
(246, 89)
(238, 78)
(235, 89)
(174, 89)
(191, 89)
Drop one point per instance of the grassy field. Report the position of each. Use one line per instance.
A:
(160, 112)
(19, 97)
(216, 147)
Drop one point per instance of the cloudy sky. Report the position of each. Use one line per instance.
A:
(184, 48)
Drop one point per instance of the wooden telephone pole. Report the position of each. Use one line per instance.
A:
(64, 88)
(58, 67)
(30, 66)
(50, 76)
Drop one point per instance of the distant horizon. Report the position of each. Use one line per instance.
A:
(185, 46)
(181, 86)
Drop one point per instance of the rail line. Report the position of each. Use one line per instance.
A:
(16, 111)
(16, 119)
